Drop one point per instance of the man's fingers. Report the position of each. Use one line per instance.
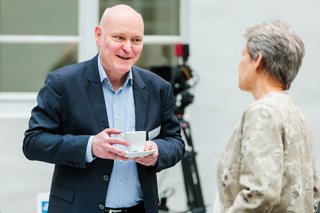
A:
(118, 141)
(110, 131)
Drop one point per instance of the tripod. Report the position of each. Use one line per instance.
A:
(190, 174)
(180, 77)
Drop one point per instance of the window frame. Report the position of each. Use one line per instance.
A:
(19, 104)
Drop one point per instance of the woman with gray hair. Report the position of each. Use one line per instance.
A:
(268, 164)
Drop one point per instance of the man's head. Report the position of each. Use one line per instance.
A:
(119, 38)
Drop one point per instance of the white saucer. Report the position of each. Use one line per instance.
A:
(139, 154)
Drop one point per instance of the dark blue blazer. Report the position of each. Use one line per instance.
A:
(70, 108)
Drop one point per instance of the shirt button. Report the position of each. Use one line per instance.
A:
(105, 177)
(101, 206)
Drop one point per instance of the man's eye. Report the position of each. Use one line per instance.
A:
(118, 38)
(137, 41)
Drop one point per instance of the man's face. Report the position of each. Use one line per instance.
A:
(120, 41)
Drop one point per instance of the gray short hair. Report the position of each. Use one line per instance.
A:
(281, 48)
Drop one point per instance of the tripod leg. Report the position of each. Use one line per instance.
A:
(191, 175)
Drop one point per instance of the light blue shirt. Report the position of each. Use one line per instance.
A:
(124, 187)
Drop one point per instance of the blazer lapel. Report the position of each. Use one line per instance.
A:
(95, 94)
(141, 97)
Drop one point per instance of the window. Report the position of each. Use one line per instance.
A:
(36, 17)
(30, 45)
(38, 36)
(25, 66)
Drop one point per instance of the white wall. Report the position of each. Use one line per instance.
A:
(20, 180)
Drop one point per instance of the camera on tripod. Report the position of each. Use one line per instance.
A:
(181, 78)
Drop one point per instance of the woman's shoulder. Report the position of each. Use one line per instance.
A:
(272, 101)
(272, 106)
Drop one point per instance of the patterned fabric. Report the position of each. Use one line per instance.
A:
(268, 165)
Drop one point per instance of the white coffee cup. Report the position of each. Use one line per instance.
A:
(136, 139)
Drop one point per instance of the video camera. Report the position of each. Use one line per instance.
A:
(180, 77)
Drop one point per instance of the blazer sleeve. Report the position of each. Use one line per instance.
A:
(44, 139)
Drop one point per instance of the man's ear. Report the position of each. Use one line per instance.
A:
(98, 33)
(259, 62)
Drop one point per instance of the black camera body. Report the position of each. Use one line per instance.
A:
(178, 76)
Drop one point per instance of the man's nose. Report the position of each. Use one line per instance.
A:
(127, 46)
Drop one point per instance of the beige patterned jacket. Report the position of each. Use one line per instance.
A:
(268, 165)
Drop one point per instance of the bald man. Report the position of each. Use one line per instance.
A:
(83, 107)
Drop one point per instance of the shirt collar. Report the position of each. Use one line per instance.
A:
(104, 77)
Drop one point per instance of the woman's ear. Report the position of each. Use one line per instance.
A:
(259, 62)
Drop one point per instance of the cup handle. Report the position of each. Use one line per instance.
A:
(119, 136)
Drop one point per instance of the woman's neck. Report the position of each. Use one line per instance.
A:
(265, 85)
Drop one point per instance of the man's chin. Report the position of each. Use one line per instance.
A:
(125, 67)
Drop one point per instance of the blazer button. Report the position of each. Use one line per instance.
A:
(101, 206)
(106, 178)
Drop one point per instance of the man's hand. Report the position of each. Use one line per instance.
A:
(151, 159)
(102, 145)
